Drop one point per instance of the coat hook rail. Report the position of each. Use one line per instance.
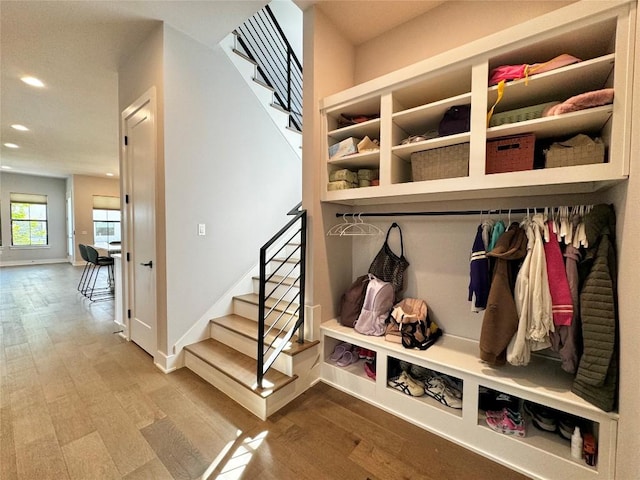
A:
(446, 213)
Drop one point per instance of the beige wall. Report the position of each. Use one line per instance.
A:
(452, 24)
(84, 188)
(330, 59)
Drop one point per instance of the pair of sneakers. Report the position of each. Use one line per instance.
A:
(506, 421)
(444, 390)
(365, 353)
(407, 385)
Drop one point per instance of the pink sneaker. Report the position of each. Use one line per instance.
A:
(507, 424)
(370, 369)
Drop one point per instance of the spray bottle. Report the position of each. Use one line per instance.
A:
(576, 444)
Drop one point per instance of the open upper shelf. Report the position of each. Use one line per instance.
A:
(412, 102)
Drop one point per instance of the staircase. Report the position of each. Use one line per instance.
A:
(266, 61)
(229, 358)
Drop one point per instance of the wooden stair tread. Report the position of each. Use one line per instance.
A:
(253, 298)
(262, 83)
(245, 56)
(280, 107)
(238, 366)
(295, 130)
(287, 260)
(288, 281)
(249, 329)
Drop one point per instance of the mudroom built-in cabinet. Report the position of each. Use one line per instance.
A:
(402, 111)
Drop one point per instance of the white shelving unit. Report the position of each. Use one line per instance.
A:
(411, 101)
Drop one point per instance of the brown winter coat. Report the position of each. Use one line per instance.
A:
(500, 320)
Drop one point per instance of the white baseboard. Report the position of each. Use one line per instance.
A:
(166, 363)
(22, 263)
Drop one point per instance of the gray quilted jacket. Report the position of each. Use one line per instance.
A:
(597, 376)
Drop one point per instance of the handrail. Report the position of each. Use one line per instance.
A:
(281, 328)
(264, 42)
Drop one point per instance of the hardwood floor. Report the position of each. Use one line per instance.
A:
(79, 402)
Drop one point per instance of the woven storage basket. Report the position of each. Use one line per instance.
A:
(520, 115)
(510, 154)
(443, 162)
(580, 155)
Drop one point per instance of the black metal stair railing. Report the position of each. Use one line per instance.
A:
(281, 310)
(265, 43)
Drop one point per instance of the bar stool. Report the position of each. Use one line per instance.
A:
(88, 267)
(98, 262)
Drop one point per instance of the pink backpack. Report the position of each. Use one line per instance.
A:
(378, 302)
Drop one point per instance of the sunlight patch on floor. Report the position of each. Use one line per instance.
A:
(239, 459)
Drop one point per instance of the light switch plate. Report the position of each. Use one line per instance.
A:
(202, 229)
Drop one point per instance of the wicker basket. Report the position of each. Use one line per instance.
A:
(579, 155)
(443, 162)
(520, 115)
(510, 154)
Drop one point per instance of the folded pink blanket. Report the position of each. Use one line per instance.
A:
(582, 101)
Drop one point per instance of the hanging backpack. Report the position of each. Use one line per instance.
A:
(352, 301)
(378, 302)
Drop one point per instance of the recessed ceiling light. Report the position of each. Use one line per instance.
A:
(5, 167)
(109, 174)
(33, 81)
(11, 145)
(17, 126)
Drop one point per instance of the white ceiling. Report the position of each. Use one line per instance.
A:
(76, 47)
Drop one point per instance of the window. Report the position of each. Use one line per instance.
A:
(106, 219)
(28, 219)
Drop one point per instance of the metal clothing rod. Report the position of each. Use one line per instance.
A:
(446, 213)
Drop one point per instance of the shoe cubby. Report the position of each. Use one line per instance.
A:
(342, 363)
(538, 426)
(431, 387)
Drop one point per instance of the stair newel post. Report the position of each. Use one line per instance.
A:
(303, 263)
(261, 312)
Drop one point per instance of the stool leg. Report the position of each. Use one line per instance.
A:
(87, 279)
(81, 281)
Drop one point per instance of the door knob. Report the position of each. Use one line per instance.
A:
(148, 264)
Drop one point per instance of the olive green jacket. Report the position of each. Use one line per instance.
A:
(596, 380)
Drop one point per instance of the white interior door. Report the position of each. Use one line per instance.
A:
(70, 252)
(140, 159)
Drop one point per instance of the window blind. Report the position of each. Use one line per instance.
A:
(28, 198)
(106, 203)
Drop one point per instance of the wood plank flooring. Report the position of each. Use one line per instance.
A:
(78, 402)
